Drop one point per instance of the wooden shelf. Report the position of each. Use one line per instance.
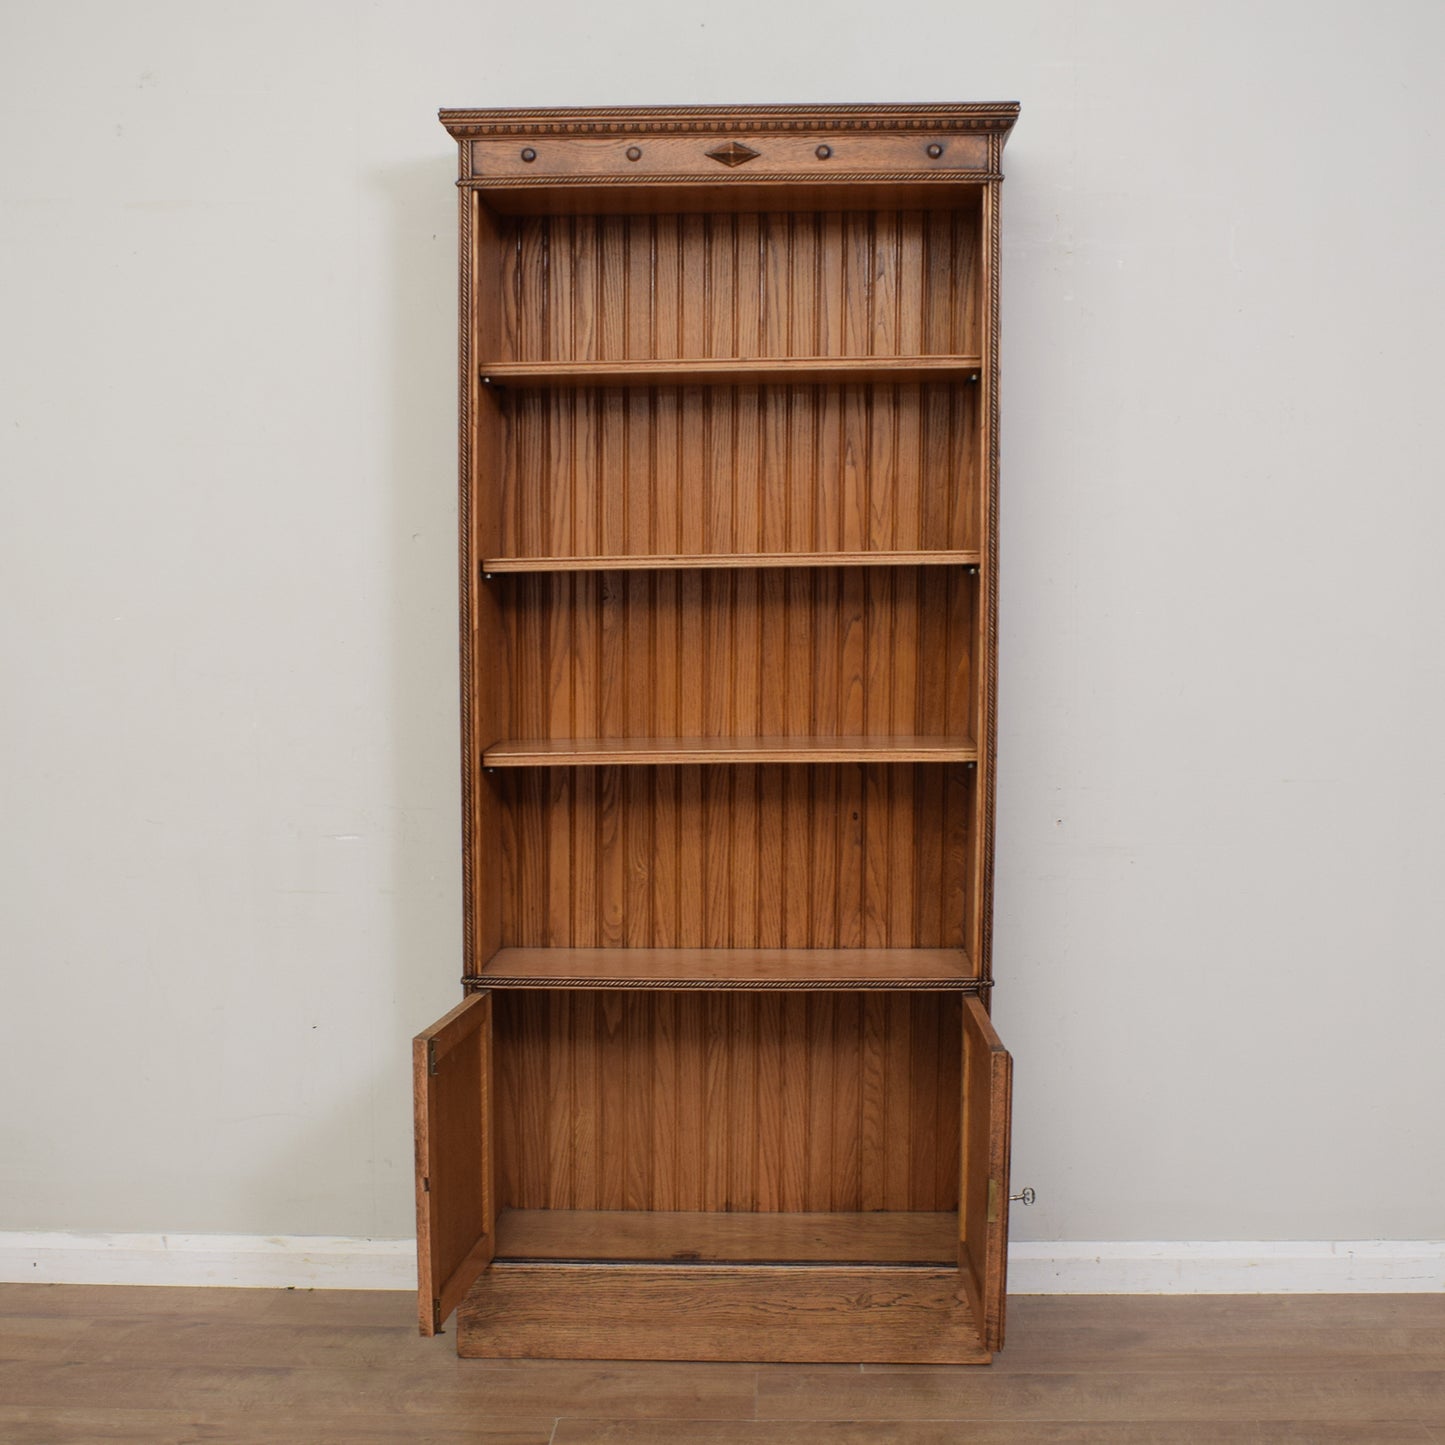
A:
(594, 752)
(732, 560)
(578, 1235)
(839, 969)
(737, 371)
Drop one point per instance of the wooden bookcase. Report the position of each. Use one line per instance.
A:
(723, 1083)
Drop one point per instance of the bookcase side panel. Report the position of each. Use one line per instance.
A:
(485, 684)
(981, 862)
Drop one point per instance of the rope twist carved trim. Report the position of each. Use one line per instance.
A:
(992, 117)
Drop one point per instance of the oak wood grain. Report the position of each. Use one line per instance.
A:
(585, 866)
(399, 1386)
(585, 1043)
(723, 371)
(558, 198)
(159, 1365)
(735, 470)
(645, 160)
(1101, 1394)
(983, 1217)
(645, 751)
(256, 1425)
(950, 1432)
(455, 1203)
(624, 1311)
(723, 294)
(870, 653)
(763, 297)
(674, 562)
(984, 712)
(729, 567)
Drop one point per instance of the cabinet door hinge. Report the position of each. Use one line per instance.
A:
(425, 1185)
(995, 1193)
(431, 1058)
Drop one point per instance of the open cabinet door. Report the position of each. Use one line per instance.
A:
(983, 1215)
(455, 1206)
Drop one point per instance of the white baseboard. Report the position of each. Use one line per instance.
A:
(1132, 1267)
(1229, 1266)
(260, 1261)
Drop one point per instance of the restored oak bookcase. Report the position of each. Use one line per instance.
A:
(723, 1083)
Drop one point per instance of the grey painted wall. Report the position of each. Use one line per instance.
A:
(229, 821)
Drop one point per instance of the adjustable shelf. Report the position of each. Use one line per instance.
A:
(594, 752)
(968, 557)
(736, 371)
(848, 969)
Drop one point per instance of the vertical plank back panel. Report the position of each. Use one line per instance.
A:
(710, 471)
(790, 1103)
(853, 855)
(847, 652)
(765, 469)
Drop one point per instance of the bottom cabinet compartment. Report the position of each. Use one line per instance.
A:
(703, 1174)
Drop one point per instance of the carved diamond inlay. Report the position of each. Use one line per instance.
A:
(734, 153)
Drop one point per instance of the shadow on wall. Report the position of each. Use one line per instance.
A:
(411, 322)
(421, 463)
(419, 276)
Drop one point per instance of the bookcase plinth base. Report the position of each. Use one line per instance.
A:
(787, 1313)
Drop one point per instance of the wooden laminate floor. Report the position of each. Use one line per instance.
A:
(155, 1365)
